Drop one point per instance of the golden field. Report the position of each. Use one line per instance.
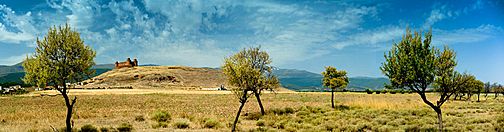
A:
(287, 112)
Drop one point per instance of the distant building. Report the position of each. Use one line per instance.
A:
(127, 63)
(215, 89)
(15, 87)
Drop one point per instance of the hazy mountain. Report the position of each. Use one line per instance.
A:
(11, 69)
(15, 72)
(301, 80)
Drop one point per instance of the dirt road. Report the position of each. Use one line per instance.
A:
(129, 91)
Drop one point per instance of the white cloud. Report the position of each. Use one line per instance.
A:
(373, 38)
(13, 37)
(441, 12)
(11, 60)
(20, 28)
(466, 35)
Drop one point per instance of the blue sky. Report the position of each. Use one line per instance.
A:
(307, 35)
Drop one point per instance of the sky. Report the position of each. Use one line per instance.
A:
(307, 35)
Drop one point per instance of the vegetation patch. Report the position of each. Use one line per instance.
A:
(125, 127)
(181, 123)
(88, 128)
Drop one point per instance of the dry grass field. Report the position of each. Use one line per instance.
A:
(286, 112)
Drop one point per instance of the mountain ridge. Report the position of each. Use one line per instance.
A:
(293, 79)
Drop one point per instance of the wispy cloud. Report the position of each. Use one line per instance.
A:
(373, 38)
(441, 12)
(11, 60)
(466, 35)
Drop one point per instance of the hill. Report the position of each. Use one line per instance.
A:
(172, 77)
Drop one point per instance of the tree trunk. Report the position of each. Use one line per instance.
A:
(332, 98)
(260, 103)
(238, 116)
(496, 93)
(69, 113)
(435, 107)
(440, 119)
(69, 106)
(478, 97)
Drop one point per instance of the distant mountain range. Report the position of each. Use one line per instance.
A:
(301, 80)
(15, 72)
(293, 79)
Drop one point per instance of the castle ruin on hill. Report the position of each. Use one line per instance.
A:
(127, 63)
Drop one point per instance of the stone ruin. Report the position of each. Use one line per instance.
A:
(127, 63)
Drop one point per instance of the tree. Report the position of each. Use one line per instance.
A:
(414, 64)
(488, 87)
(335, 80)
(249, 72)
(60, 58)
(472, 86)
(496, 90)
(478, 86)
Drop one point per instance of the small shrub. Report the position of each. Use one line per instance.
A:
(384, 91)
(289, 110)
(125, 127)
(139, 118)
(88, 128)
(161, 116)
(402, 91)
(342, 107)
(368, 91)
(181, 123)
(393, 92)
(211, 123)
(260, 123)
(105, 129)
(253, 116)
(377, 92)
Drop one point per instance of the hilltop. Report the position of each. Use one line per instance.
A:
(173, 77)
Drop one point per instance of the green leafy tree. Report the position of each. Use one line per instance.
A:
(60, 58)
(496, 89)
(478, 87)
(414, 64)
(488, 87)
(249, 72)
(335, 80)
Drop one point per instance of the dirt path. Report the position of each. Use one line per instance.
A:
(129, 91)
